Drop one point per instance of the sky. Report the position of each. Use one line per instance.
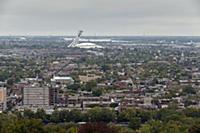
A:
(100, 17)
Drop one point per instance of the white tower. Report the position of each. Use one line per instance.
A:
(76, 40)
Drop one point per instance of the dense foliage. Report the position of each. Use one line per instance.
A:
(99, 120)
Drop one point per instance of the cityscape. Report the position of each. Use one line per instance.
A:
(99, 66)
(144, 74)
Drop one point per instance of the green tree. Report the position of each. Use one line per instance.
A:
(164, 114)
(52, 128)
(135, 123)
(173, 127)
(64, 116)
(105, 67)
(188, 90)
(41, 114)
(55, 117)
(28, 114)
(97, 128)
(75, 115)
(192, 112)
(194, 129)
(126, 115)
(100, 115)
(72, 130)
(10, 82)
(89, 86)
(151, 127)
(74, 87)
(97, 92)
(144, 115)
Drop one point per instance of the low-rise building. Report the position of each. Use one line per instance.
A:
(89, 77)
(62, 80)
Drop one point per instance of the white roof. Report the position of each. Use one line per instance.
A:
(87, 45)
(61, 78)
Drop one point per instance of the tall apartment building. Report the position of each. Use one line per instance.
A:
(36, 96)
(3, 99)
(54, 95)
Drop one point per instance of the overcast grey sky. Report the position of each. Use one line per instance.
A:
(100, 17)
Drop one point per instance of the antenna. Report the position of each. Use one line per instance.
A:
(80, 33)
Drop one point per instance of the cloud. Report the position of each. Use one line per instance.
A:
(3, 4)
(100, 16)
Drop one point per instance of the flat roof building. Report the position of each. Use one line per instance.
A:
(36, 96)
(62, 80)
